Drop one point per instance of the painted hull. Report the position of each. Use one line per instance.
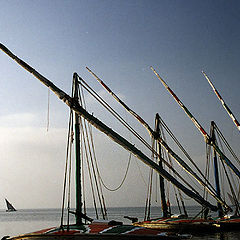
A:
(228, 224)
(99, 230)
(90, 237)
(180, 225)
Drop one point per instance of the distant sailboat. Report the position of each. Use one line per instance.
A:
(10, 207)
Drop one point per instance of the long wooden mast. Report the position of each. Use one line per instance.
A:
(161, 179)
(78, 180)
(235, 121)
(216, 171)
(108, 131)
(199, 127)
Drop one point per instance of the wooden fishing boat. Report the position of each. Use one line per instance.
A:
(100, 230)
(169, 222)
(186, 225)
(228, 223)
(222, 222)
(96, 229)
(183, 223)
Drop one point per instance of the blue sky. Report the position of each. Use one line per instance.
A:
(119, 41)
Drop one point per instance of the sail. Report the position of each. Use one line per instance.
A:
(10, 207)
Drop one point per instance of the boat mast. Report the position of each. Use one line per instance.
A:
(161, 179)
(216, 172)
(78, 155)
(75, 106)
(199, 127)
(235, 121)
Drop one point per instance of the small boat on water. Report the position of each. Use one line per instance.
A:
(10, 207)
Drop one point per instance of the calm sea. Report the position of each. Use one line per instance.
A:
(28, 220)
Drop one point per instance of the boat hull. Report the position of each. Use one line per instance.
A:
(92, 237)
(180, 225)
(228, 224)
(99, 231)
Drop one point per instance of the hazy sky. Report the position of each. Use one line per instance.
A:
(119, 41)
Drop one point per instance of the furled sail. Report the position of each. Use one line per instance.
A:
(235, 121)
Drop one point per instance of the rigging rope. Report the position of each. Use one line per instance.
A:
(168, 156)
(66, 164)
(93, 168)
(220, 135)
(89, 169)
(103, 103)
(92, 153)
(83, 180)
(112, 111)
(141, 174)
(48, 110)
(69, 181)
(209, 155)
(68, 159)
(83, 122)
(207, 169)
(185, 153)
(170, 160)
(232, 182)
(118, 117)
(231, 189)
(149, 190)
(123, 180)
(95, 160)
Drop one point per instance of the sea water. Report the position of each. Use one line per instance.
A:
(29, 220)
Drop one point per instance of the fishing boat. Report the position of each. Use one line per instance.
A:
(228, 221)
(181, 222)
(169, 222)
(178, 224)
(225, 220)
(10, 207)
(84, 226)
